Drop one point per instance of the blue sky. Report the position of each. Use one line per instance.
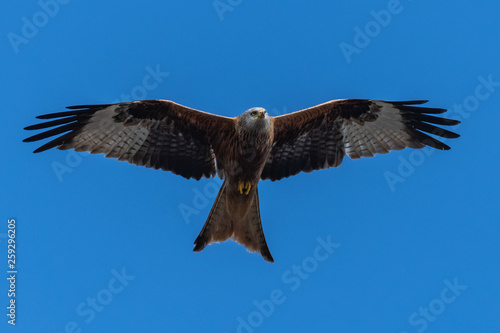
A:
(404, 242)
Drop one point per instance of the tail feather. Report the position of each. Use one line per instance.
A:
(218, 226)
(247, 231)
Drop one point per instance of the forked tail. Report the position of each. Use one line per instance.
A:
(221, 223)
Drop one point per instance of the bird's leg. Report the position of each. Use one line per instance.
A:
(244, 187)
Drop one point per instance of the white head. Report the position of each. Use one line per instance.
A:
(255, 120)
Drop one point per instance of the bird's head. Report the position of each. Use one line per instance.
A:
(255, 119)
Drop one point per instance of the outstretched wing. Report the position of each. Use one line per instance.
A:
(154, 133)
(319, 137)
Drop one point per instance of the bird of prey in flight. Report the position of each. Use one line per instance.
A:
(243, 150)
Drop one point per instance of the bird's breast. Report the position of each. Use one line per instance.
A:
(249, 157)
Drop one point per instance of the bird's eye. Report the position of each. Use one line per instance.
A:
(254, 113)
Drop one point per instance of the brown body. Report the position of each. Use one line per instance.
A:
(242, 150)
(236, 215)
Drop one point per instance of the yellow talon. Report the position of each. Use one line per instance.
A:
(248, 186)
(244, 186)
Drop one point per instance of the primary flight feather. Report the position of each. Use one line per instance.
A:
(242, 150)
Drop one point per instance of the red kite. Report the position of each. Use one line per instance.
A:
(243, 150)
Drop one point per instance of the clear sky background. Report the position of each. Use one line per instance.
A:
(104, 246)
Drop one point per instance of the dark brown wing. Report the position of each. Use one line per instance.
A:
(154, 133)
(319, 137)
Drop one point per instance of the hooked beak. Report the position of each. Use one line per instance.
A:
(262, 114)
